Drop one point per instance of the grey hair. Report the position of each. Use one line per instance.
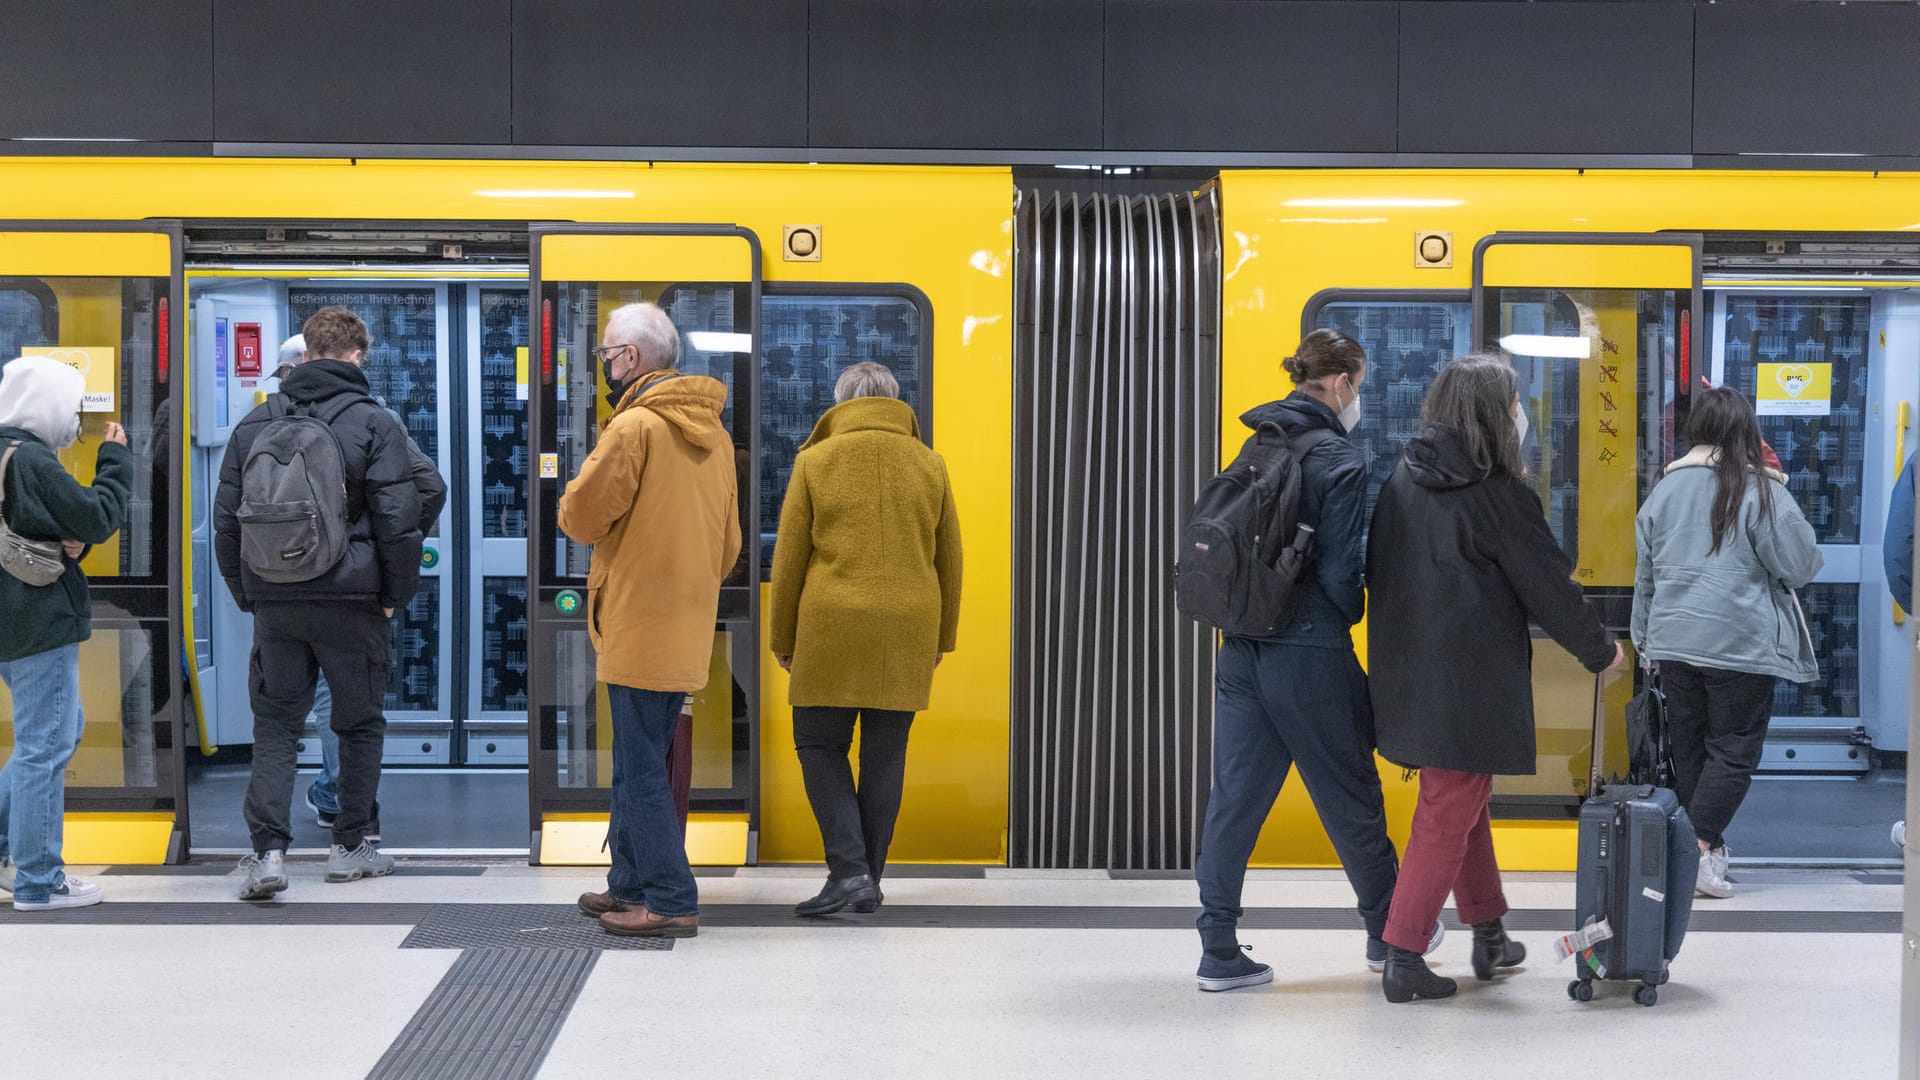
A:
(865, 379)
(1474, 397)
(648, 329)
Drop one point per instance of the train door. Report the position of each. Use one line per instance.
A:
(106, 297)
(1600, 328)
(495, 513)
(708, 280)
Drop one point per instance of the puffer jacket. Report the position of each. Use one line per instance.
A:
(382, 561)
(1733, 609)
(658, 501)
(1331, 596)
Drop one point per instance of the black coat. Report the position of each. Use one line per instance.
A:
(1331, 596)
(1458, 563)
(382, 563)
(44, 502)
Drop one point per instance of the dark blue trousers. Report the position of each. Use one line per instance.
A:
(1276, 706)
(646, 832)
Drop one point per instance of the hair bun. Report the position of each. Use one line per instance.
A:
(1291, 365)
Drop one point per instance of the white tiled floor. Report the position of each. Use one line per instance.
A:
(833, 1000)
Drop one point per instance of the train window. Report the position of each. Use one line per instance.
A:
(503, 415)
(809, 335)
(29, 315)
(1407, 336)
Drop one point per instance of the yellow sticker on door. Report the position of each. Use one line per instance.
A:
(1795, 390)
(95, 362)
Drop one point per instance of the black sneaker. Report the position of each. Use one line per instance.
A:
(1233, 973)
(321, 816)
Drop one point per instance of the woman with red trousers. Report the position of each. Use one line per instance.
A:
(1460, 562)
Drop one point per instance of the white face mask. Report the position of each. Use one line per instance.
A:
(1350, 416)
(1520, 422)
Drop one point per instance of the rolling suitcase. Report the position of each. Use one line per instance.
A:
(1634, 889)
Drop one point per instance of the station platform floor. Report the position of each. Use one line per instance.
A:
(476, 968)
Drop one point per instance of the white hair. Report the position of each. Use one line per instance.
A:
(865, 379)
(293, 350)
(648, 329)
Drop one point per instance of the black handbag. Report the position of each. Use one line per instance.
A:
(1649, 740)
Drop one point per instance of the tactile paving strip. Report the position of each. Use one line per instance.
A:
(493, 1016)
(517, 926)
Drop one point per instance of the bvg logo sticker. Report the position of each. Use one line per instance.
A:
(1794, 390)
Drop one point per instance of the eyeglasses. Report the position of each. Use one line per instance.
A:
(602, 353)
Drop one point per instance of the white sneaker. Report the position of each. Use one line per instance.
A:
(7, 873)
(365, 861)
(1712, 880)
(72, 893)
(266, 875)
(1377, 949)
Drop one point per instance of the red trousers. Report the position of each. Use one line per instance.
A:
(1450, 851)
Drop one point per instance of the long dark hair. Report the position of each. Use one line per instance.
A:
(1474, 396)
(1723, 419)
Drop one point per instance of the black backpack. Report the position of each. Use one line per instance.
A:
(293, 492)
(1245, 546)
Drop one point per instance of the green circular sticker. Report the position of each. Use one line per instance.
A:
(567, 602)
(429, 557)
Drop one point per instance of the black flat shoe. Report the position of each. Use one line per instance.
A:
(868, 907)
(1408, 977)
(1493, 949)
(856, 891)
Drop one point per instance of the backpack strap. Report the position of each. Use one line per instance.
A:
(1311, 441)
(6, 459)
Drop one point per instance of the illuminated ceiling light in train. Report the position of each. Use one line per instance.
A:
(716, 341)
(1374, 202)
(1558, 348)
(553, 193)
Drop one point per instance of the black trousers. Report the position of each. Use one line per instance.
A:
(856, 826)
(1719, 726)
(292, 644)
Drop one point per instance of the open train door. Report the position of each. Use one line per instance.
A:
(707, 277)
(1602, 330)
(106, 298)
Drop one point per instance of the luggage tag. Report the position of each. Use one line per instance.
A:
(1596, 931)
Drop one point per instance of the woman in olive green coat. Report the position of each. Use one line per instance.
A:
(866, 601)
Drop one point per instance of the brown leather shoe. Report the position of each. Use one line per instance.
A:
(595, 904)
(639, 922)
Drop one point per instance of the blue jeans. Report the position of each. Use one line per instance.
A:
(1279, 706)
(649, 849)
(326, 787)
(33, 786)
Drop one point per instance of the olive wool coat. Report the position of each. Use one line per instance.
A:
(866, 571)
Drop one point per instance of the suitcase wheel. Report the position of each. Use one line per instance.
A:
(1646, 995)
(1580, 990)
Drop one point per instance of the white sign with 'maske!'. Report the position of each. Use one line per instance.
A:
(95, 363)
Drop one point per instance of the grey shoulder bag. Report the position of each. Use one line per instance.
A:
(36, 562)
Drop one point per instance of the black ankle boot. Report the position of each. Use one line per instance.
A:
(1408, 977)
(868, 907)
(1492, 949)
(855, 890)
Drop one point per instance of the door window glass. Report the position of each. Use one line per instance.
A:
(503, 414)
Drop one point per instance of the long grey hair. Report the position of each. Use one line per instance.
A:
(1474, 396)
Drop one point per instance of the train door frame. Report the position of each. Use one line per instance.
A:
(1613, 600)
(146, 824)
(567, 825)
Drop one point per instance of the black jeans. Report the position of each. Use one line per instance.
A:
(1719, 725)
(292, 644)
(855, 826)
(1278, 706)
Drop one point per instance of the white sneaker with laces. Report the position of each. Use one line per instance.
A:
(266, 875)
(72, 893)
(1712, 880)
(365, 861)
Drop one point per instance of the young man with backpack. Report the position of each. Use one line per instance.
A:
(317, 530)
(1273, 557)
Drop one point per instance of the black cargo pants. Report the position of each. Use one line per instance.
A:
(292, 644)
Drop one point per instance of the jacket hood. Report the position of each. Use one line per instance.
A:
(691, 403)
(1706, 457)
(42, 396)
(1298, 414)
(318, 380)
(1438, 459)
(865, 414)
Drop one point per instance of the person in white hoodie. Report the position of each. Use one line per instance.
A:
(45, 624)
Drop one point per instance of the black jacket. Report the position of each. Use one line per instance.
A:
(1331, 596)
(1458, 563)
(382, 563)
(44, 502)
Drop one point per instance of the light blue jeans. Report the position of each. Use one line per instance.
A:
(326, 786)
(33, 786)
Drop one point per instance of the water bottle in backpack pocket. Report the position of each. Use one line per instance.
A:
(293, 493)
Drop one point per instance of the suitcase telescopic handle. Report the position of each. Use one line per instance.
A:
(1595, 773)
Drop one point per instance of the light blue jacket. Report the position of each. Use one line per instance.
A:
(1732, 609)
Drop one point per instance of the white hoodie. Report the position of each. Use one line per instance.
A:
(42, 395)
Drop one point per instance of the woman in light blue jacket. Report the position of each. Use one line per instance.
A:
(1722, 546)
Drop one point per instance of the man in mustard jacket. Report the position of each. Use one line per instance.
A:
(657, 499)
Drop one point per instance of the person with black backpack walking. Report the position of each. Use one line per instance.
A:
(1273, 557)
(317, 531)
